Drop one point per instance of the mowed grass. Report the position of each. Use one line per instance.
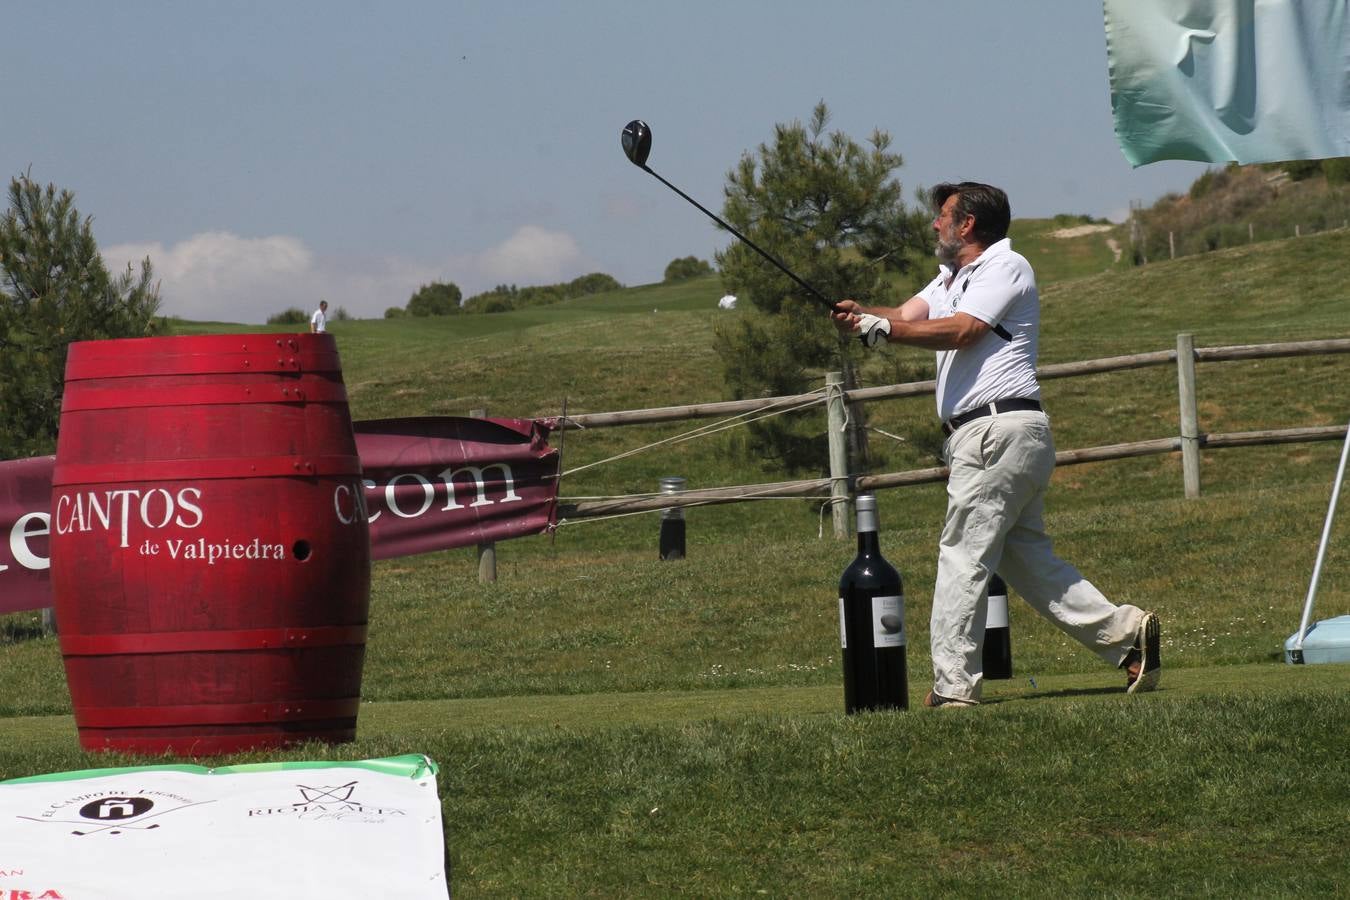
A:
(1227, 784)
(610, 724)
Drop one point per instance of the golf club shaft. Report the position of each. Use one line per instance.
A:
(815, 294)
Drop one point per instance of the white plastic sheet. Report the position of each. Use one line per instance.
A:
(325, 829)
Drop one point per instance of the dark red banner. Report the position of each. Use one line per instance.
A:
(439, 483)
(430, 484)
(25, 501)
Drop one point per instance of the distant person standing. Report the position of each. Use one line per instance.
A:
(318, 323)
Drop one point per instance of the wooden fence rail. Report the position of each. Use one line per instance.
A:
(728, 408)
(820, 487)
(829, 487)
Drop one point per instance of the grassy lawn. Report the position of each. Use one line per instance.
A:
(1227, 783)
(610, 724)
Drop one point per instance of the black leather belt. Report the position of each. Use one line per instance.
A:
(989, 409)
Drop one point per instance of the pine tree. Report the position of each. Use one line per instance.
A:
(54, 289)
(831, 210)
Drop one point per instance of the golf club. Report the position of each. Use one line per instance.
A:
(637, 144)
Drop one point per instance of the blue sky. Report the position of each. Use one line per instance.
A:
(269, 154)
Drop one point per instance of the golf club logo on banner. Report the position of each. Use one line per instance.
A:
(113, 812)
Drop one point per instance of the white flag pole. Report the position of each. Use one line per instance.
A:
(1322, 548)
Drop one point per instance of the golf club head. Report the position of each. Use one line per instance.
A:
(637, 142)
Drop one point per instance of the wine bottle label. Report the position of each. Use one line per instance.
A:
(888, 621)
(998, 611)
(843, 626)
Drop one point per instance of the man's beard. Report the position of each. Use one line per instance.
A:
(947, 251)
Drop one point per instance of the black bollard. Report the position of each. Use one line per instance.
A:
(672, 522)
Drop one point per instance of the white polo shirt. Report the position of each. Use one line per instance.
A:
(998, 288)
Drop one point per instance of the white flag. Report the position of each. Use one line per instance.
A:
(1223, 80)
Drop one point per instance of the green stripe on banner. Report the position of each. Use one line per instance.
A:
(412, 765)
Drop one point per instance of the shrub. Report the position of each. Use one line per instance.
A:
(1337, 170)
(1302, 169)
(686, 267)
(292, 316)
(395, 312)
(436, 299)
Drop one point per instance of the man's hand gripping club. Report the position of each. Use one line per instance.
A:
(871, 330)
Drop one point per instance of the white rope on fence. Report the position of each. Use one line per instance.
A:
(826, 500)
(833, 391)
(736, 421)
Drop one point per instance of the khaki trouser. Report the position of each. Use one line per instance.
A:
(1000, 469)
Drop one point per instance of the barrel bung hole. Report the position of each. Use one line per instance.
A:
(300, 551)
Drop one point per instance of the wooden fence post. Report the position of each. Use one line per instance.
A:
(1171, 246)
(1190, 422)
(487, 553)
(834, 406)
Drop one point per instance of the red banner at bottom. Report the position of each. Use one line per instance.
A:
(430, 484)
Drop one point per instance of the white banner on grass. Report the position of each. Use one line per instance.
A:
(300, 829)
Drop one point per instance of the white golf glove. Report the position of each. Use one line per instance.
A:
(873, 330)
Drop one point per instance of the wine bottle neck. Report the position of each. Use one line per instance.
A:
(867, 526)
(868, 542)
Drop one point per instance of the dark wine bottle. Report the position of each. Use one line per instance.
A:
(997, 637)
(872, 623)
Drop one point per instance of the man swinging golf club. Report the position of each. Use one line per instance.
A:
(982, 316)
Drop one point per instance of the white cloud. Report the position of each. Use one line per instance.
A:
(219, 276)
(531, 256)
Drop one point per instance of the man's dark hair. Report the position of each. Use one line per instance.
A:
(988, 204)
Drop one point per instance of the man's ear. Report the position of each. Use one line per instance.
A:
(967, 227)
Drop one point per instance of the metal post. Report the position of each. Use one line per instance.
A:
(671, 541)
(1322, 548)
(834, 406)
(487, 553)
(1190, 423)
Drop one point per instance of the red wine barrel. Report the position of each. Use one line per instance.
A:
(210, 555)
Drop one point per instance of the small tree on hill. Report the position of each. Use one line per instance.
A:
(830, 209)
(440, 298)
(686, 267)
(55, 289)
